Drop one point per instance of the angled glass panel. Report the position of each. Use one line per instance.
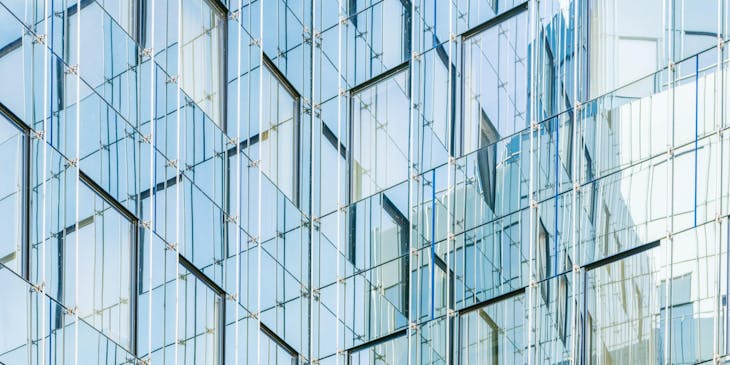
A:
(623, 314)
(203, 57)
(276, 145)
(274, 351)
(622, 52)
(199, 322)
(13, 158)
(495, 86)
(105, 239)
(380, 36)
(380, 119)
(494, 334)
(390, 352)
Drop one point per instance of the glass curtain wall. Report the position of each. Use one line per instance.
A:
(364, 182)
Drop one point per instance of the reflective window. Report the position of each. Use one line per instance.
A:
(622, 52)
(547, 82)
(274, 351)
(693, 31)
(487, 161)
(495, 86)
(542, 254)
(493, 334)
(379, 156)
(202, 56)
(13, 156)
(123, 12)
(13, 67)
(381, 35)
(379, 240)
(200, 319)
(379, 248)
(637, 343)
(391, 352)
(278, 142)
(105, 239)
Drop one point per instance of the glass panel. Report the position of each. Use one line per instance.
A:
(495, 87)
(494, 334)
(202, 56)
(623, 309)
(13, 157)
(278, 141)
(104, 271)
(199, 321)
(378, 247)
(380, 36)
(621, 52)
(380, 136)
(388, 353)
(274, 352)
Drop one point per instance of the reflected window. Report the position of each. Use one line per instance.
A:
(380, 121)
(381, 36)
(276, 146)
(124, 13)
(12, 63)
(487, 160)
(548, 81)
(494, 86)
(13, 195)
(605, 234)
(693, 33)
(622, 52)
(543, 260)
(378, 247)
(562, 316)
(493, 334)
(105, 238)
(203, 57)
(333, 153)
(566, 138)
(684, 326)
(607, 317)
(589, 198)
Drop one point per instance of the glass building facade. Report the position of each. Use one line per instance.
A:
(364, 182)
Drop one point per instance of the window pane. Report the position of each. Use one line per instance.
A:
(104, 269)
(494, 334)
(378, 249)
(279, 137)
(274, 352)
(380, 36)
(638, 323)
(12, 157)
(380, 136)
(200, 311)
(388, 353)
(622, 52)
(202, 56)
(495, 88)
